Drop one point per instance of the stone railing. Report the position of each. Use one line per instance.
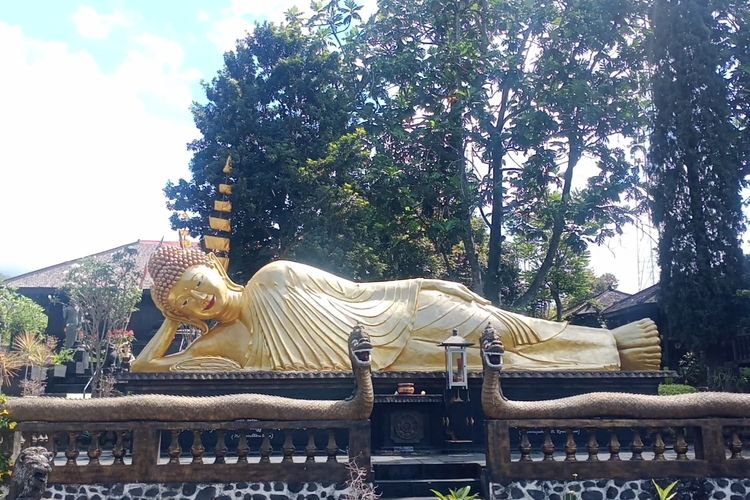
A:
(611, 436)
(199, 451)
(563, 449)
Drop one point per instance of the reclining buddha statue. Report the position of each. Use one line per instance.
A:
(293, 317)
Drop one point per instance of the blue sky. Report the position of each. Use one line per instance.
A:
(95, 116)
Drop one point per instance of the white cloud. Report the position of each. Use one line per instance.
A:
(203, 16)
(84, 159)
(91, 24)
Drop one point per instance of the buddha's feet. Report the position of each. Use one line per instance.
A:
(639, 346)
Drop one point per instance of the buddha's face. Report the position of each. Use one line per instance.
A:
(200, 293)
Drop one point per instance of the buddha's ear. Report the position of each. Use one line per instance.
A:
(216, 264)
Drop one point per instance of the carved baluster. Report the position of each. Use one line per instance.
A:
(614, 446)
(680, 445)
(28, 439)
(659, 446)
(637, 446)
(265, 448)
(49, 442)
(310, 449)
(525, 446)
(197, 450)
(592, 447)
(94, 451)
(735, 446)
(72, 452)
(548, 448)
(332, 448)
(242, 448)
(288, 447)
(570, 446)
(54, 444)
(119, 449)
(174, 447)
(220, 451)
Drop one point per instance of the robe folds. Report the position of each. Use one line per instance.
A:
(300, 318)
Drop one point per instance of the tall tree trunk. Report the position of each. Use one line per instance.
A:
(458, 145)
(497, 154)
(468, 236)
(558, 226)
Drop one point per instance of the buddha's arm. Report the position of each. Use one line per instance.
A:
(152, 357)
(454, 289)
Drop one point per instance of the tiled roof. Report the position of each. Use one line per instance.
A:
(649, 295)
(54, 276)
(596, 304)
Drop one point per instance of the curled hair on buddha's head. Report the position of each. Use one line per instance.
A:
(167, 265)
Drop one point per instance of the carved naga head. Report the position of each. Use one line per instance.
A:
(492, 349)
(360, 348)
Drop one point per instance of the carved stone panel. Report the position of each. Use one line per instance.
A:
(407, 427)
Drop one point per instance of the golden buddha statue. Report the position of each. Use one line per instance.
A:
(293, 317)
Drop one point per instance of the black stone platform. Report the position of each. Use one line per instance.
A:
(429, 422)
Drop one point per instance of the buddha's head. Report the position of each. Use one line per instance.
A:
(190, 286)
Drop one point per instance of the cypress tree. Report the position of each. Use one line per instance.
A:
(695, 170)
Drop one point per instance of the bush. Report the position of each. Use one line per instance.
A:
(672, 389)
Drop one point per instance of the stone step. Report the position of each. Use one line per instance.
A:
(421, 488)
(426, 470)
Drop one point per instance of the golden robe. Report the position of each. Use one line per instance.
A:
(301, 318)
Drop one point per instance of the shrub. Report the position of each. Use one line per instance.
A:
(672, 389)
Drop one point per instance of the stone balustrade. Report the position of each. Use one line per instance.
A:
(143, 452)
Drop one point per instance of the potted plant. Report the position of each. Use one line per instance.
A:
(59, 359)
(36, 351)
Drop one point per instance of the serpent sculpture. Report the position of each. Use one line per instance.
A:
(210, 408)
(598, 404)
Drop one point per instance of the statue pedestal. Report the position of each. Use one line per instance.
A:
(400, 423)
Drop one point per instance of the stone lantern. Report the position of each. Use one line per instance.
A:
(456, 361)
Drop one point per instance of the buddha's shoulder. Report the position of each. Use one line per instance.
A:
(284, 271)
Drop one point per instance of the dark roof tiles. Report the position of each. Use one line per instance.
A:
(54, 276)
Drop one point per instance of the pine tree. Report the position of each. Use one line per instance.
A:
(695, 170)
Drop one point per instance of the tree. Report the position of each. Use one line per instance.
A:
(280, 100)
(306, 184)
(420, 72)
(106, 293)
(19, 314)
(569, 281)
(586, 91)
(696, 177)
(604, 282)
(451, 89)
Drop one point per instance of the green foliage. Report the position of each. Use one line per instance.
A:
(696, 173)
(568, 282)
(19, 314)
(665, 493)
(447, 100)
(7, 425)
(307, 184)
(672, 389)
(64, 355)
(606, 281)
(692, 370)
(106, 292)
(586, 87)
(462, 494)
